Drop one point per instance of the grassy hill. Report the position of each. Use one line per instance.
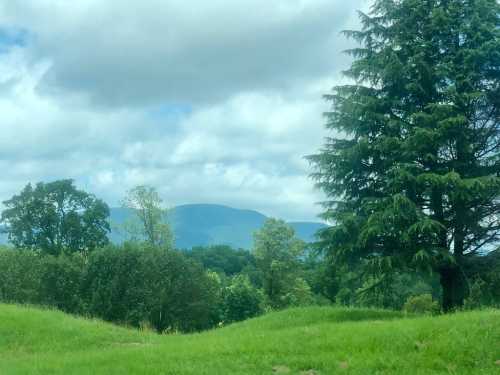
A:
(317, 340)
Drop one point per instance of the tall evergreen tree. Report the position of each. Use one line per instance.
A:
(412, 170)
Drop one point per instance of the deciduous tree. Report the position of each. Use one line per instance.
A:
(150, 217)
(277, 251)
(56, 217)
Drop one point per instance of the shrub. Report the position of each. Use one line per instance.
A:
(478, 295)
(134, 284)
(421, 304)
(19, 276)
(241, 300)
(60, 280)
(344, 297)
(299, 294)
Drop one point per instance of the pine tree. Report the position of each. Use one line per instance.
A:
(412, 170)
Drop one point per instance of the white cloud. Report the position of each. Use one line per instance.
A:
(135, 53)
(238, 85)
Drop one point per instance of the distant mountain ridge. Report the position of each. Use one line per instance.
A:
(209, 224)
(212, 224)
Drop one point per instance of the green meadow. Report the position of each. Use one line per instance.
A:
(314, 340)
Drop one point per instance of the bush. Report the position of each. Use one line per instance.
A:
(136, 284)
(29, 277)
(60, 280)
(478, 295)
(421, 304)
(133, 284)
(19, 276)
(222, 259)
(241, 300)
(299, 294)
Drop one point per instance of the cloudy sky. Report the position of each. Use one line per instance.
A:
(209, 101)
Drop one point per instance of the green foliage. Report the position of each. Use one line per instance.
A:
(34, 278)
(223, 259)
(60, 281)
(319, 274)
(478, 295)
(483, 274)
(391, 291)
(422, 304)
(306, 340)
(134, 284)
(130, 284)
(19, 276)
(299, 294)
(277, 252)
(493, 279)
(412, 172)
(55, 218)
(241, 300)
(149, 223)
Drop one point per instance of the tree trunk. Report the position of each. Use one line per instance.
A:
(453, 284)
(453, 280)
(438, 209)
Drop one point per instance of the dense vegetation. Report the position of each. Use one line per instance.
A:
(143, 284)
(319, 340)
(130, 285)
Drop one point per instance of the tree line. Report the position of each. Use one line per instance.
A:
(146, 282)
(61, 257)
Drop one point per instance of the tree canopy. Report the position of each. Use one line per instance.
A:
(56, 217)
(277, 251)
(412, 170)
(150, 217)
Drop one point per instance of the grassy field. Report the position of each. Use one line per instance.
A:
(319, 340)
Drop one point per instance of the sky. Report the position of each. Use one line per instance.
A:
(208, 101)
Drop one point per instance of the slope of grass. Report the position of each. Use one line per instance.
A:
(309, 341)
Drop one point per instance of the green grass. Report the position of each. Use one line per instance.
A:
(318, 340)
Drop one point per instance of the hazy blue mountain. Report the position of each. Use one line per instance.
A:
(306, 230)
(209, 224)
(206, 224)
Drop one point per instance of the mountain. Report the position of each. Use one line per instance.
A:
(210, 224)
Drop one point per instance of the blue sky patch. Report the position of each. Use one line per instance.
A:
(12, 37)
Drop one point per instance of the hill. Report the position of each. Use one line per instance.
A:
(318, 340)
(210, 224)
